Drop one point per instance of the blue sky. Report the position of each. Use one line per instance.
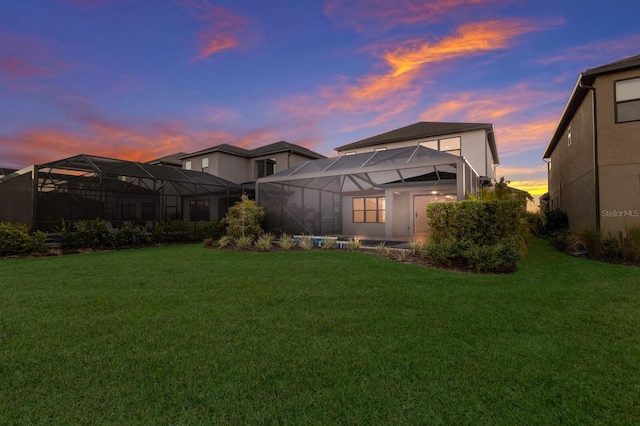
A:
(140, 79)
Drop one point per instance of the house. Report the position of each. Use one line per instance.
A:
(593, 155)
(379, 187)
(89, 187)
(245, 166)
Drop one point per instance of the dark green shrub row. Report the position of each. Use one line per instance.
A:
(484, 236)
(94, 234)
(623, 246)
(15, 238)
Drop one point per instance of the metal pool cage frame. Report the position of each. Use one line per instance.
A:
(90, 187)
(317, 197)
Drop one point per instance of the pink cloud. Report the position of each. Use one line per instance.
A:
(596, 51)
(224, 31)
(365, 15)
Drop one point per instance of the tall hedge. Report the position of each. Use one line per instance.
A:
(483, 235)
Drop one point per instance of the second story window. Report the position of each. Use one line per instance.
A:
(205, 164)
(627, 100)
(264, 167)
(187, 165)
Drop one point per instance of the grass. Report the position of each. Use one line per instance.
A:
(185, 335)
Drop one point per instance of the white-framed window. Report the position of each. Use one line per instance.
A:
(449, 145)
(205, 164)
(627, 100)
(350, 153)
(369, 210)
(187, 165)
(383, 148)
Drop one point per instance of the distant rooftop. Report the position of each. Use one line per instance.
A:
(273, 148)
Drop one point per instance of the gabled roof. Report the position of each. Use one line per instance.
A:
(580, 90)
(274, 148)
(422, 129)
(170, 160)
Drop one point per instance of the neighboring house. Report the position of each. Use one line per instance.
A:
(380, 186)
(245, 166)
(594, 153)
(89, 187)
(172, 160)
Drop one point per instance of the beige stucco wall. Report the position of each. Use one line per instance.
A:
(618, 159)
(571, 176)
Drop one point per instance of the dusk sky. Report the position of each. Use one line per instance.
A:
(140, 79)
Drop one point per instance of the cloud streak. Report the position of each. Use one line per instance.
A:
(224, 29)
(363, 15)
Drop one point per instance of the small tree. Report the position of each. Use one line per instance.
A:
(244, 219)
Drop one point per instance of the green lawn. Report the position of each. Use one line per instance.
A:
(186, 335)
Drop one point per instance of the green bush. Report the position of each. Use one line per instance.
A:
(15, 238)
(555, 220)
(207, 229)
(244, 219)
(130, 234)
(87, 234)
(174, 231)
(484, 236)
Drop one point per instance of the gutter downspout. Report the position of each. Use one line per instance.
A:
(596, 174)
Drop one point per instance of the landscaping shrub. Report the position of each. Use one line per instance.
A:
(244, 219)
(555, 220)
(130, 234)
(15, 238)
(484, 236)
(87, 234)
(329, 243)
(286, 241)
(207, 229)
(264, 242)
(243, 242)
(174, 231)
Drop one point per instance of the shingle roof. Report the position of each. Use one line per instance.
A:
(580, 90)
(273, 148)
(423, 129)
(173, 159)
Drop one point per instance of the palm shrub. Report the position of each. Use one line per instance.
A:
(354, 244)
(286, 241)
(243, 242)
(415, 247)
(15, 238)
(306, 243)
(244, 219)
(224, 241)
(383, 249)
(329, 243)
(264, 242)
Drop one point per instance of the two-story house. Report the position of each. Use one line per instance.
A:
(380, 186)
(594, 153)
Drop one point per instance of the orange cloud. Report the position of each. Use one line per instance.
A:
(470, 39)
(521, 115)
(378, 97)
(363, 15)
(225, 28)
(533, 187)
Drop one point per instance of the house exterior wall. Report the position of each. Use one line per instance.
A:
(474, 146)
(618, 159)
(571, 174)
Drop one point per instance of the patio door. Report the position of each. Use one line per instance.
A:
(420, 213)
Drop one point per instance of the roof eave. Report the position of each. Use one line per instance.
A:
(575, 99)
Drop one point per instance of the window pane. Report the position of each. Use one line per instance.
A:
(271, 167)
(358, 203)
(382, 216)
(381, 203)
(358, 216)
(450, 144)
(372, 204)
(627, 90)
(628, 111)
(371, 216)
(259, 169)
(187, 165)
(430, 144)
(205, 163)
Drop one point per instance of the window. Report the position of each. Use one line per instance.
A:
(430, 144)
(627, 100)
(450, 145)
(384, 148)
(368, 210)
(265, 167)
(198, 210)
(187, 165)
(205, 164)
(350, 153)
(569, 136)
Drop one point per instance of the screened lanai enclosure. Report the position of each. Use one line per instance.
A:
(373, 194)
(90, 187)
